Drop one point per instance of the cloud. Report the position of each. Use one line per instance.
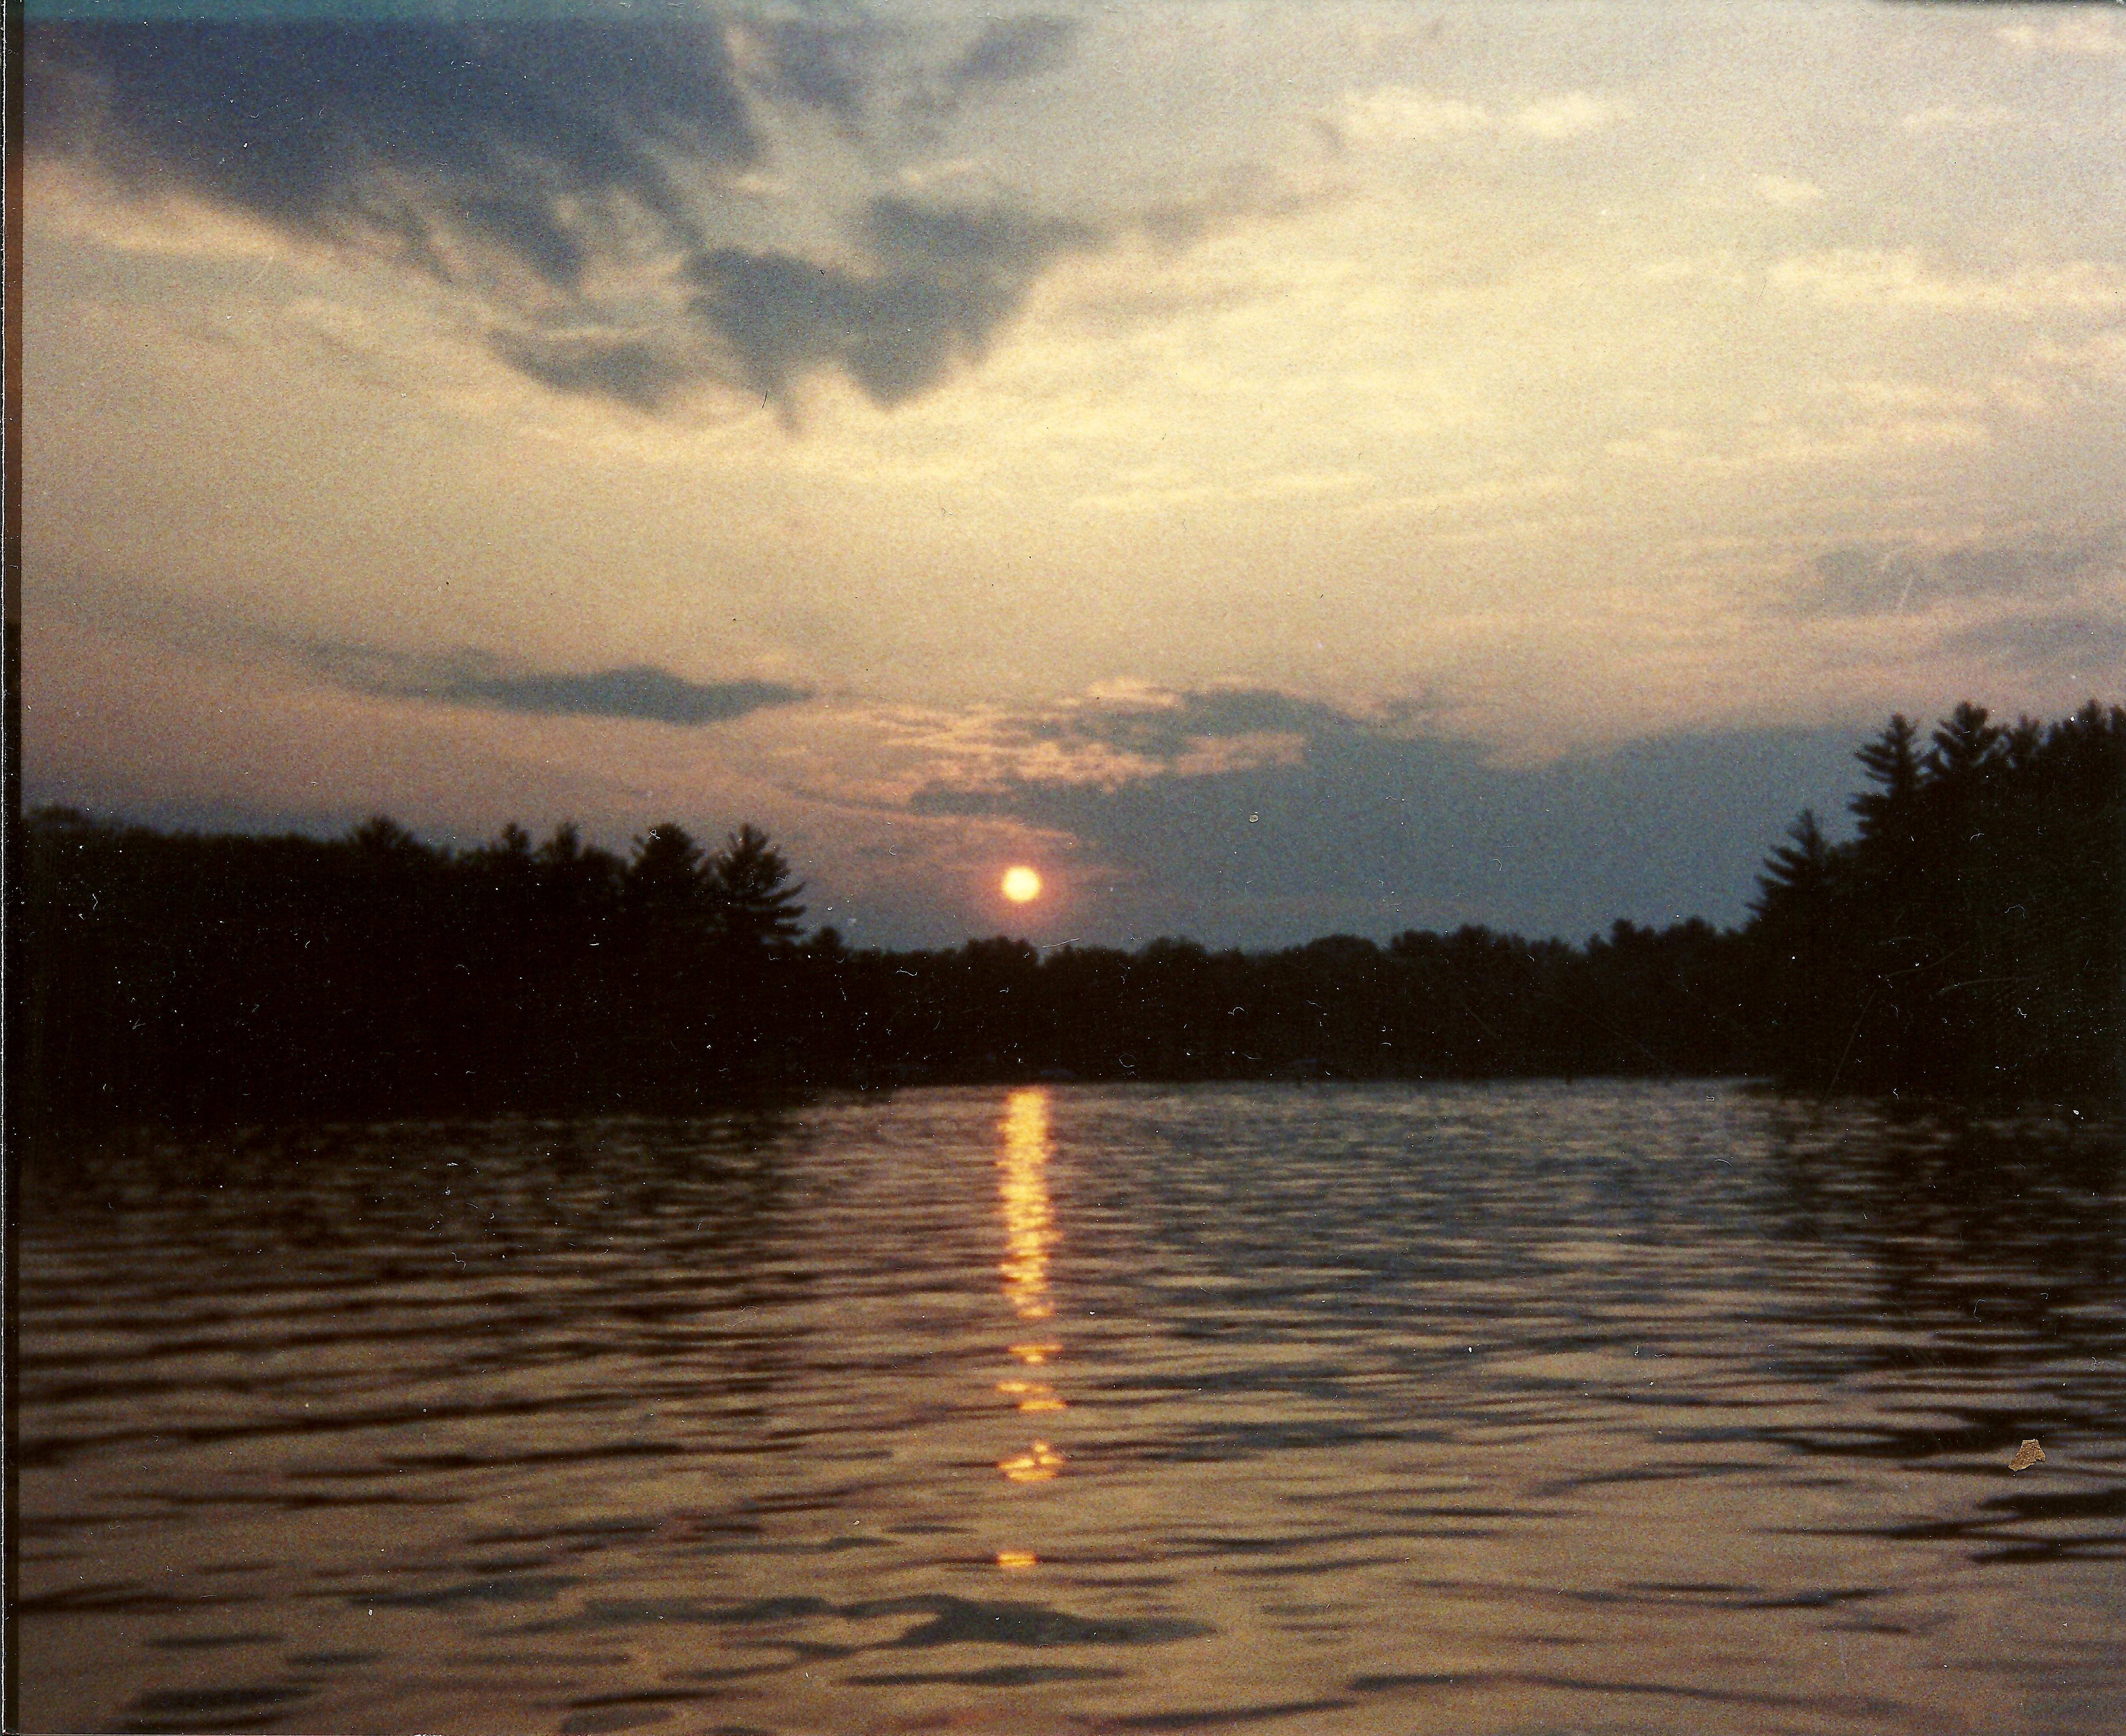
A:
(638, 691)
(1134, 732)
(1393, 114)
(1863, 580)
(945, 279)
(416, 139)
(1010, 50)
(641, 372)
(1860, 276)
(1943, 117)
(1382, 831)
(2076, 33)
(934, 285)
(1568, 117)
(797, 59)
(1785, 191)
(2062, 643)
(1400, 113)
(2043, 564)
(1898, 578)
(585, 185)
(1243, 192)
(1166, 727)
(1006, 51)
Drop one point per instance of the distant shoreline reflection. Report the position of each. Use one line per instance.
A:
(1029, 1225)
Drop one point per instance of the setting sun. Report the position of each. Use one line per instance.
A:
(1021, 885)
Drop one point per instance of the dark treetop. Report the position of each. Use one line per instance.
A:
(1967, 942)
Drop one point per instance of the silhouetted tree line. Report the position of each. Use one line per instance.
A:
(251, 979)
(1967, 941)
(1970, 942)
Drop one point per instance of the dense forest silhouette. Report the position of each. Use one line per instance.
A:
(1967, 943)
(1970, 943)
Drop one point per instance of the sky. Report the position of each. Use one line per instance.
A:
(1278, 469)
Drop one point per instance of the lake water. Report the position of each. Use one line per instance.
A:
(1513, 1408)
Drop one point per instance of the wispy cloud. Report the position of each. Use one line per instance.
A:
(1167, 725)
(1850, 277)
(1132, 733)
(637, 691)
(1901, 578)
(2078, 32)
(2069, 642)
(1402, 114)
(1398, 113)
(1947, 118)
(1568, 117)
(1787, 191)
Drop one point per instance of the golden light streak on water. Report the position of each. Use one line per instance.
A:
(1029, 1228)
(1028, 1222)
(1039, 1462)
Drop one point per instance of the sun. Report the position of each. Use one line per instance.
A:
(1021, 885)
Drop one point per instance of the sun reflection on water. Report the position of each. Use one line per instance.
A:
(1038, 1464)
(1028, 1223)
(1029, 1226)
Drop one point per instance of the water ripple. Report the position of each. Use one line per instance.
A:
(1658, 1407)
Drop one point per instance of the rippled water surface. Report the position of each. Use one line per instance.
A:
(1531, 1408)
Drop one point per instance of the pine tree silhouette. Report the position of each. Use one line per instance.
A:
(755, 907)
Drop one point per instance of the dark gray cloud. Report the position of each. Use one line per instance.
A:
(569, 173)
(947, 278)
(987, 241)
(543, 149)
(402, 134)
(640, 691)
(1896, 578)
(1378, 831)
(638, 372)
(821, 65)
(1009, 49)
(944, 280)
